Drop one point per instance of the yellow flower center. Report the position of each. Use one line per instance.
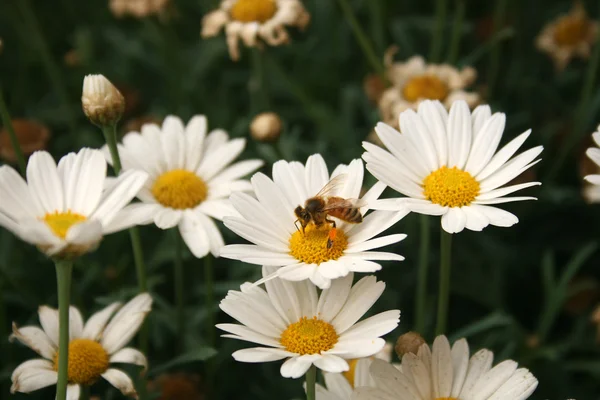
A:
(309, 336)
(570, 30)
(311, 246)
(179, 189)
(450, 187)
(253, 10)
(349, 375)
(87, 361)
(60, 222)
(425, 87)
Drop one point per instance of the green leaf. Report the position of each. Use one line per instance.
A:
(199, 354)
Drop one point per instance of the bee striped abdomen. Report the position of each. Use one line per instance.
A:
(351, 215)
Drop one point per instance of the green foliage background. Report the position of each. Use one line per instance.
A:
(509, 286)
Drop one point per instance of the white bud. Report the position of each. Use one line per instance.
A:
(102, 102)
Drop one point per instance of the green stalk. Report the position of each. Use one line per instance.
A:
(209, 299)
(362, 39)
(421, 301)
(12, 135)
(311, 381)
(580, 117)
(63, 279)
(110, 136)
(495, 53)
(459, 17)
(444, 294)
(438, 33)
(179, 287)
(52, 69)
(258, 83)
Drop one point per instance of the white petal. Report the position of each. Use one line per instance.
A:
(75, 323)
(168, 218)
(362, 296)
(130, 355)
(460, 365)
(476, 220)
(333, 299)
(241, 332)
(73, 392)
(34, 338)
(331, 363)
(32, 378)
(460, 134)
(497, 216)
(16, 200)
(519, 386)
(195, 132)
(215, 161)
(454, 220)
(127, 186)
(194, 234)
(505, 190)
(315, 174)
(485, 143)
(389, 379)
(260, 354)
(49, 321)
(375, 326)
(86, 233)
(493, 379)
(125, 324)
(479, 364)
(132, 215)
(94, 326)
(121, 381)
(295, 367)
(44, 183)
(502, 156)
(83, 175)
(441, 367)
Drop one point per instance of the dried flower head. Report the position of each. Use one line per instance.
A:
(570, 35)
(72, 58)
(374, 87)
(415, 80)
(254, 22)
(596, 321)
(178, 386)
(31, 135)
(408, 343)
(102, 102)
(137, 8)
(266, 127)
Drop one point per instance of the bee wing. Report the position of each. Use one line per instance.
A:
(333, 186)
(337, 202)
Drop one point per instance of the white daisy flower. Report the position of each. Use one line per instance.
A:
(269, 222)
(446, 164)
(93, 347)
(254, 22)
(66, 210)
(446, 373)
(191, 177)
(593, 191)
(291, 321)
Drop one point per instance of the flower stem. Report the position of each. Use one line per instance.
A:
(209, 299)
(110, 136)
(12, 135)
(459, 16)
(421, 301)
(438, 33)
(63, 279)
(258, 84)
(444, 294)
(178, 288)
(311, 381)
(362, 39)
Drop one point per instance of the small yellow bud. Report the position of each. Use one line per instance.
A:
(102, 102)
(266, 127)
(408, 343)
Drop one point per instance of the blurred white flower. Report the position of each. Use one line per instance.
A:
(254, 21)
(66, 210)
(446, 164)
(93, 347)
(191, 177)
(290, 320)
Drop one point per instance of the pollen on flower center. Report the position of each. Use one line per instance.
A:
(309, 336)
(179, 189)
(570, 30)
(450, 187)
(253, 10)
(425, 87)
(311, 246)
(60, 222)
(87, 361)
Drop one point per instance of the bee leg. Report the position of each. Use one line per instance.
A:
(332, 234)
(301, 226)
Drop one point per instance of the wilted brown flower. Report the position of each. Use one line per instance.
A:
(31, 135)
(178, 386)
(414, 81)
(408, 343)
(596, 320)
(137, 8)
(570, 35)
(374, 87)
(72, 58)
(266, 127)
(254, 22)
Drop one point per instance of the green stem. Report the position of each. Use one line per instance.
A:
(495, 53)
(438, 33)
(209, 299)
(580, 117)
(12, 135)
(179, 287)
(311, 381)
(444, 294)
(52, 69)
(63, 279)
(258, 83)
(110, 136)
(459, 17)
(421, 301)
(362, 39)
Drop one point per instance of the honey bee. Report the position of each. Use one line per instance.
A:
(326, 203)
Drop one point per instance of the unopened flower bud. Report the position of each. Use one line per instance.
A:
(266, 127)
(408, 343)
(102, 102)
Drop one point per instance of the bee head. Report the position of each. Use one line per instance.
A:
(302, 214)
